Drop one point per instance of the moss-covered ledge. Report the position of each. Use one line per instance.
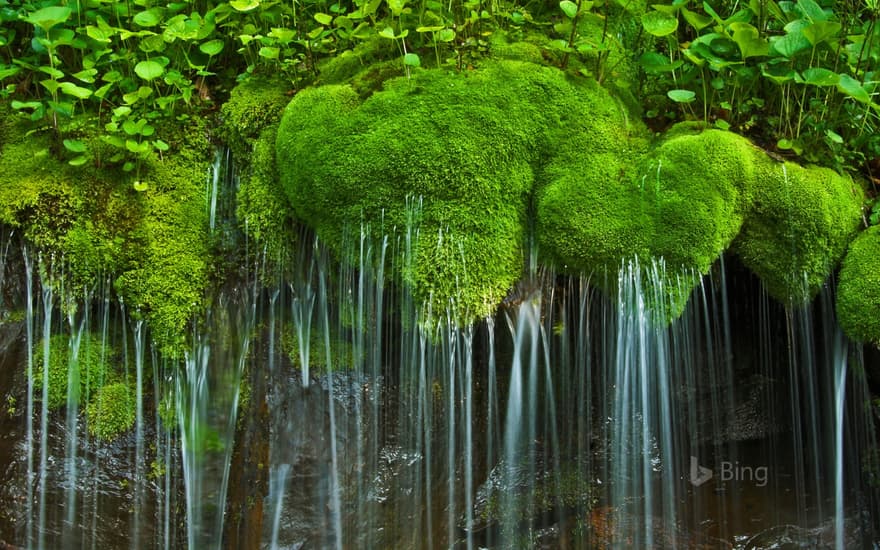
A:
(490, 149)
(92, 220)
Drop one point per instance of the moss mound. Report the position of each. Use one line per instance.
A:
(471, 145)
(89, 372)
(693, 196)
(111, 412)
(858, 292)
(798, 226)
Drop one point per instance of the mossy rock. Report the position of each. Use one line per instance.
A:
(799, 223)
(599, 211)
(93, 368)
(111, 412)
(253, 105)
(92, 219)
(858, 292)
(470, 145)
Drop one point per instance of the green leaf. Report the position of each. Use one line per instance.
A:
(140, 186)
(46, 18)
(696, 20)
(834, 136)
(412, 60)
(7, 72)
(817, 76)
(812, 10)
(821, 31)
(160, 145)
(659, 23)
(211, 47)
(791, 44)
(434, 28)
(569, 8)
(51, 71)
(784, 144)
(749, 41)
(722, 124)
(446, 35)
(78, 161)
(78, 92)
(387, 32)
(269, 52)
(681, 96)
(148, 18)
(74, 145)
(244, 5)
(87, 75)
(323, 18)
(853, 88)
(149, 69)
(655, 63)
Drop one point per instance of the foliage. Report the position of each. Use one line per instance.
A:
(796, 74)
(91, 368)
(858, 292)
(111, 412)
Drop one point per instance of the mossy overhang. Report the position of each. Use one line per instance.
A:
(487, 149)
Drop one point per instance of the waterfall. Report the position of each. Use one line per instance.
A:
(317, 402)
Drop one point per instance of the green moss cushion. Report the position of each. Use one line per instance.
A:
(469, 145)
(858, 292)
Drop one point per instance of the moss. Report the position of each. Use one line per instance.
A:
(342, 352)
(348, 64)
(598, 211)
(253, 105)
(468, 144)
(261, 205)
(798, 226)
(92, 369)
(858, 292)
(111, 412)
(91, 218)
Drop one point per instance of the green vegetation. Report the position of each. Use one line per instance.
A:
(858, 292)
(529, 114)
(92, 368)
(111, 412)
(470, 145)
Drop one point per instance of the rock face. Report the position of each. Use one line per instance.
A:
(489, 154)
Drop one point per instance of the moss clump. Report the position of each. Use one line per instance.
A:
(593, 216)
(249, 125)
(693, 196)
(93, 220)
(469, 144)
(111, 412)
(91, 370)
(798, 226)
(858, 292)
(343, 355)
(253, 105)
(167, 283)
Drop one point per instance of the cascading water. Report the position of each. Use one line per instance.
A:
(318, 404)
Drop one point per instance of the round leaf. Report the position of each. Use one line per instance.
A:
(74, 145)
(46, 18)
(681, 96)
(149, 70)
(569, 8)
(659, 23)
(211, 47)
(412, 60)
(140, 186)
(817, 76)
(148, 18)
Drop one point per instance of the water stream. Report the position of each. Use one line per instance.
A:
(318, 405)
